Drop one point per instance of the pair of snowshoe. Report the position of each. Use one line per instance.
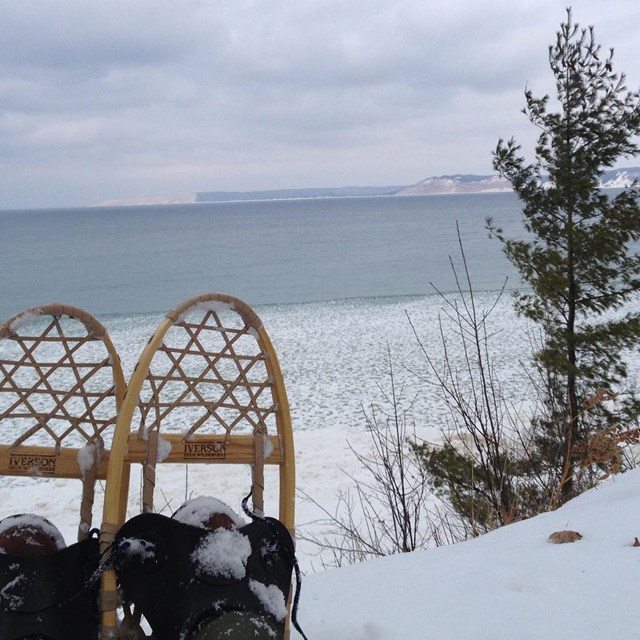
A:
(201, 574)
(207, 389)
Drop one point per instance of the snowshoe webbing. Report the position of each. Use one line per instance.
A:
(160, 572)
(50, 597)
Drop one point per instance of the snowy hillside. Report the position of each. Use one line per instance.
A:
(612, 179)
(510, 584)
(438, 185)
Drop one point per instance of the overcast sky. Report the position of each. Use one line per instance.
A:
(129, 98)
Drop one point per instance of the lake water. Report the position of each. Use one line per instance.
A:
(126, 260)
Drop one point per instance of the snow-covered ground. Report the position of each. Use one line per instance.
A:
(511, 583)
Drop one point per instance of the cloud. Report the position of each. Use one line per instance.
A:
(160, 97)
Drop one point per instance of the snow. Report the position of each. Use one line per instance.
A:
(223, 553)
(622, 180)
(215, 306)
(164, 449)
(8, 599)
(137, 548)
(197, 511)
(510, 583)
(23, 319)
(271, 597)
(268, 447)
(87, 458)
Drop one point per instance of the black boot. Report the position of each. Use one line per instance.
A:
(192, 583)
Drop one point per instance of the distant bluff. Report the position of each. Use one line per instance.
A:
(455, 184)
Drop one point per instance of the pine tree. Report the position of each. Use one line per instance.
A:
(579, 261)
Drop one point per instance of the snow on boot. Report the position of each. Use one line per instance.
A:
(183, 578)
(208, 513)
(27, 535)
(44, 592)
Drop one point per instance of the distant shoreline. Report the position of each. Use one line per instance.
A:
(469, 184)
(141, 202)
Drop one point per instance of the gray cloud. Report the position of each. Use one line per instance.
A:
(161, 97)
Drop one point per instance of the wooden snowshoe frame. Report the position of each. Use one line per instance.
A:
(61, 385)
(207, 389)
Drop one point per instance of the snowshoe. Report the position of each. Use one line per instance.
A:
(207, 390)
(61, 385)
(196, 584)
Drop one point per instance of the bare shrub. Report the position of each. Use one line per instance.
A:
(484, 467)
(388, 510)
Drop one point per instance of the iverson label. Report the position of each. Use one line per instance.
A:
(205, 450)
(33, 464)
